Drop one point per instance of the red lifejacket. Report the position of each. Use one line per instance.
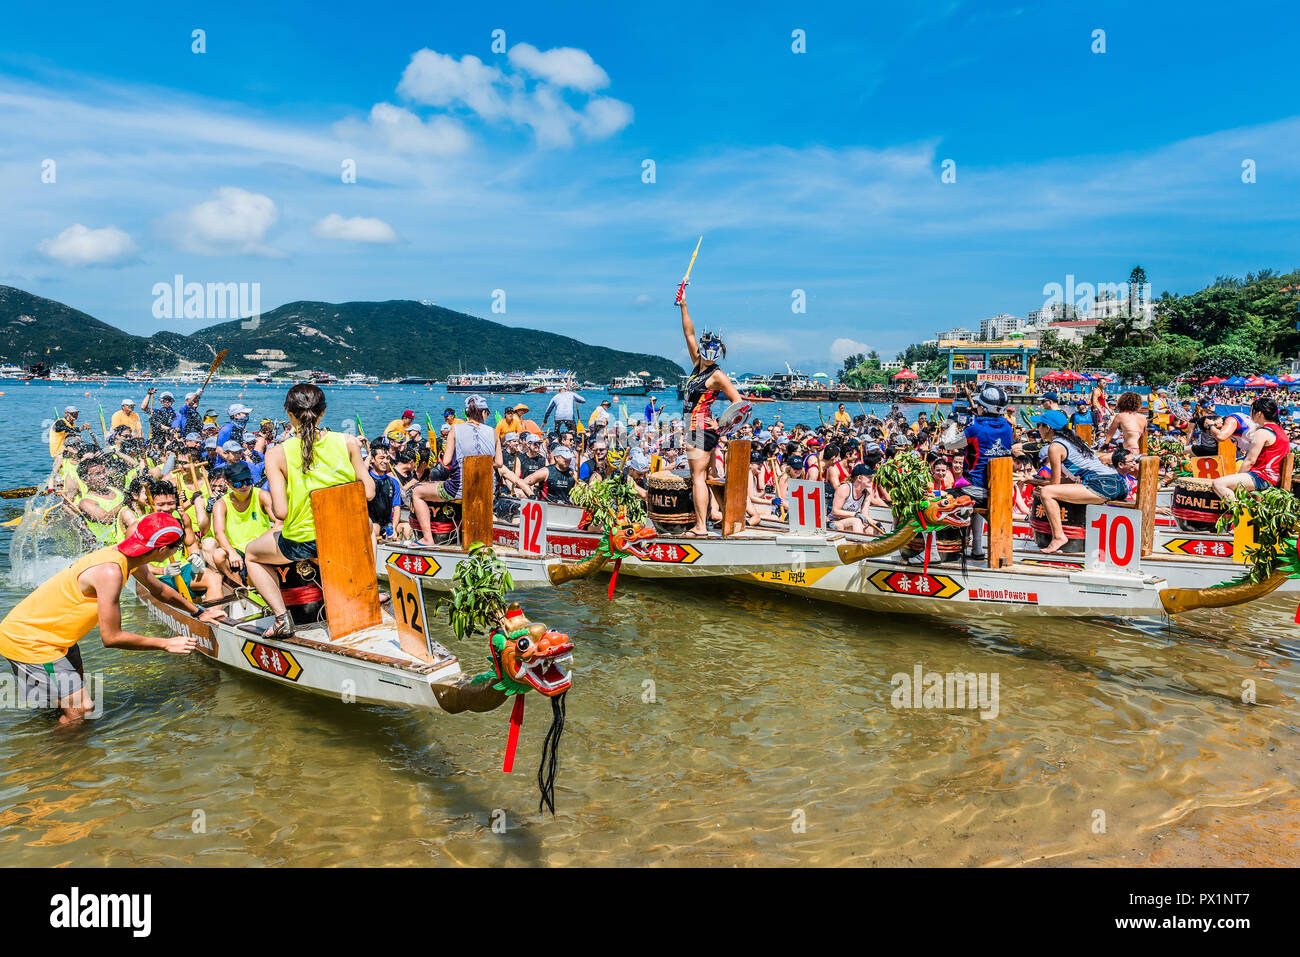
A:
(1268, 465)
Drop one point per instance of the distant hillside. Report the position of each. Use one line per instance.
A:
(388, 339)
(33, 329)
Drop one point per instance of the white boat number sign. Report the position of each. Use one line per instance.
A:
(532, 528)
(1111, 540)
(807, 506)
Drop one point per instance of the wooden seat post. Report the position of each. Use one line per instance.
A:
(475, 500)
(345, 553)
(735, 495)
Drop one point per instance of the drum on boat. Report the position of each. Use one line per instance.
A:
(300, 588)
(945, 546)
(1196, 505)
(1074, 517)
(669, 503)
(444, 524)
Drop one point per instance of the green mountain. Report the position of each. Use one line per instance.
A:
(388, 339)
(33, 329)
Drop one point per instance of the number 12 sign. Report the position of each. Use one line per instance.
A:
(807, 505)
(532, 528)
(1111, 539)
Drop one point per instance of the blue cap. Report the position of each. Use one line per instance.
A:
(1051, 397)
(1055, 418)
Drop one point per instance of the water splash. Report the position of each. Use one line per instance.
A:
(48, 538)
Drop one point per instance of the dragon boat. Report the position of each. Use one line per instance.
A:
(361, 650)
(563, 548)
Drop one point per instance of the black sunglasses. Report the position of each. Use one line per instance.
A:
(247, 484)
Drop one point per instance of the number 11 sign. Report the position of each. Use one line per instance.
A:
(807, 506)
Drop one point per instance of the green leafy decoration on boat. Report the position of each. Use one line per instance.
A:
(1173, 455)
(1274, 513)
(478, 594)
(906, 478)
(605, 498)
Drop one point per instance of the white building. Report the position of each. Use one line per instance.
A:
(1111, 305)
(1000, 326)
(1073, 330)
(1050, 313)
(893, 365)
(959, 334)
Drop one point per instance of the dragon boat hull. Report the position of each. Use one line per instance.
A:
(436, 565)
(368, 667)
(889, 585)
(671, 557)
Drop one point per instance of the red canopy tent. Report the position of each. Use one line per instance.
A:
(1071, 377)
(1257, 382)
(906, 374)
(1214, 380)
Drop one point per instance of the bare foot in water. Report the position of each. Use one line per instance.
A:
(1054, 546)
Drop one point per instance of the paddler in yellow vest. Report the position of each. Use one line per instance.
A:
(99, 501)
(396, 430)
(38, 638)
(183, 575)
(1160, 409)
(312, 458)
(241, 515)
(62, 428)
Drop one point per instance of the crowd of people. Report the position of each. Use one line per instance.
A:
(193, 508)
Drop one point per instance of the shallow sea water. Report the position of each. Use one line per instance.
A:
(708, 725)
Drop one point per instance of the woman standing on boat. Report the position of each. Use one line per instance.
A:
(702, 387)
(312, 458)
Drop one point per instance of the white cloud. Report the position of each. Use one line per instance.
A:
(441, 81)
(643, 300)
(402, 131)
(79, 246)
(562, 66)
(437, 79)
(842, 348)
(358, 229)
(235, 222)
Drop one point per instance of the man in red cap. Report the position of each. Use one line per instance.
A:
(38, 638)
(397, 428)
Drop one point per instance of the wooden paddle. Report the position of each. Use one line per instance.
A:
(681, 290)
(27, 491)
(220, 358)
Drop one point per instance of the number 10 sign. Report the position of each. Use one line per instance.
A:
(1111, 539)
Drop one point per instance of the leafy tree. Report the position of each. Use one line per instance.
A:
(1227, 361)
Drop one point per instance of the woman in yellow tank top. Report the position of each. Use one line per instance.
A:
(313, 458)
(242, 514)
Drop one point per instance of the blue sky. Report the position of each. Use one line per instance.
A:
(522, 171)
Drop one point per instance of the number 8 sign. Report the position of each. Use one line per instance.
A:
(1112, 539)
(532, 528)
(807, 506)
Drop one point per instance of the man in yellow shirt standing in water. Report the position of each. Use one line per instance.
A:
(38, 638)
